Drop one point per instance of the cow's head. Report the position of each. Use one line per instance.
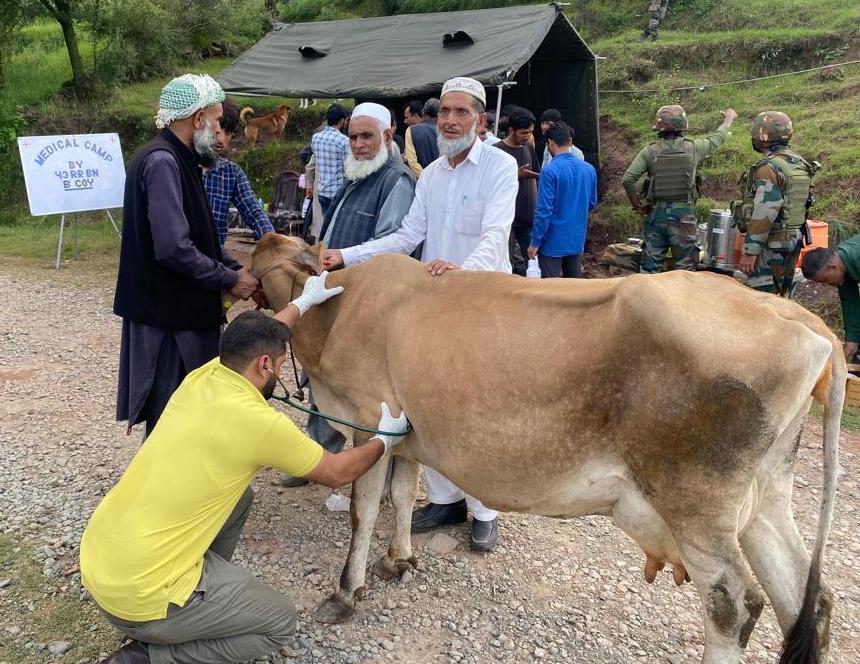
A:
(283, 264)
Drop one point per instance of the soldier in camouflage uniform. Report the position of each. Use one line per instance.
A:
(670, 193)
(657, 10)
(776, 194)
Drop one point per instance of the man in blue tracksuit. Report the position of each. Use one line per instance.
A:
(566, 192)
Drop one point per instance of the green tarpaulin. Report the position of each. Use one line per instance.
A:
(396, 58)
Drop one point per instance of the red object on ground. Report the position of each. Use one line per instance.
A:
(818, 231)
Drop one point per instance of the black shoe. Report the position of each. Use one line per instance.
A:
(484, 535)
(433, 516)
(132, 652)
(289, 481)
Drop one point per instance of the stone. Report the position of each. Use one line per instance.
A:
(442, 543)
(59, 647)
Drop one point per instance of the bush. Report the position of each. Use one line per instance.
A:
(149, 37)
(140, 40)
(299, 11)
(262, 164)
(11, 176)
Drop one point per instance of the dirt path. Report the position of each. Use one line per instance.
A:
(554, 591)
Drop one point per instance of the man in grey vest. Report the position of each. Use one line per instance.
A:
(668, 201)
(371, 204)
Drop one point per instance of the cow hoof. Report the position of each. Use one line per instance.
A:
(334, 610)
(390, 570)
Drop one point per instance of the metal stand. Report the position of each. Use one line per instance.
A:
(75, 234)
(113, 223)
(60, 243)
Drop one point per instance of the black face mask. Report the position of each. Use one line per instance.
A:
(269, 388)
(758, 147)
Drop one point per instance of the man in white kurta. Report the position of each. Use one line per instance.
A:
(462, 212)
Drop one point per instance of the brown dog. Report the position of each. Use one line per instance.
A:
(273, 123)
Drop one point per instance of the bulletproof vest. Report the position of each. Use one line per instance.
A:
(672, 168)
(794, 174)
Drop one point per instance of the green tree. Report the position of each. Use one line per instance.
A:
(12, 17)
(63, 11)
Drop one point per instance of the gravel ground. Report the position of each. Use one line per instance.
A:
(554, 591)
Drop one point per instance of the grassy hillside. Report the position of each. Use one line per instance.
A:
(36, 74)
(706, 42)
(703, 44)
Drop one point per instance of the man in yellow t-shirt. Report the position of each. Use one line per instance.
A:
(156, 553)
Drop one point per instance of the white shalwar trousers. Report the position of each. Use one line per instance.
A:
(442, 491)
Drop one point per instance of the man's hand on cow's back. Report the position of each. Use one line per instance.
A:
(332, 259)
(246, 286)
(439, 266)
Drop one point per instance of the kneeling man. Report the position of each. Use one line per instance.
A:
(156, 553)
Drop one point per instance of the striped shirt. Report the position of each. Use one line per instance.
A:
(330, 149)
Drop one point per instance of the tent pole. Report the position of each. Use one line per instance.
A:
(502, 86)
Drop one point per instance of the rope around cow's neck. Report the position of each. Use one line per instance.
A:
(312, 411)
(331, 418)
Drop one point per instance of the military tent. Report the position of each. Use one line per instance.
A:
(393, 59)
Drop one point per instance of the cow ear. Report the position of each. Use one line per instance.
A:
(312, 257)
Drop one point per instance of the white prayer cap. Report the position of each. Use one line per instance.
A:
(185, 95)
(468, 85)
(376, 111)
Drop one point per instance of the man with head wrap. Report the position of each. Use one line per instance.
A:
(371, 204)
(172, 269)
(462, 212)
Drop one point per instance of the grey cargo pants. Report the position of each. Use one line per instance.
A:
(230, 616)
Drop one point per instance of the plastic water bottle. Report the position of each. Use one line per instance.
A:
(533, 270)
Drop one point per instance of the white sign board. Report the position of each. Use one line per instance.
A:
(72, 173)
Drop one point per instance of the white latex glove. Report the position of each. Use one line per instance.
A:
(315, 292)
(389, 423)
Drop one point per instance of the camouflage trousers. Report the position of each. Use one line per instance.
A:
(656, 13)
(670, 225)
(776, 260)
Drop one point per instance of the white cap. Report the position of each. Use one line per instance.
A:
(371, 110)
(468, 85)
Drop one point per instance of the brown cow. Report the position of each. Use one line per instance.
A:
(686, 439)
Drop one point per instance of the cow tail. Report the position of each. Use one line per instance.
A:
(802, 644)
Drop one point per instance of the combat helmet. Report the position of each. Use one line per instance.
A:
(670, 118)
(771, 127)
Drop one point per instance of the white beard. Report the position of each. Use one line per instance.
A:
(358, 169)
(451, 147)
(204, 145)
